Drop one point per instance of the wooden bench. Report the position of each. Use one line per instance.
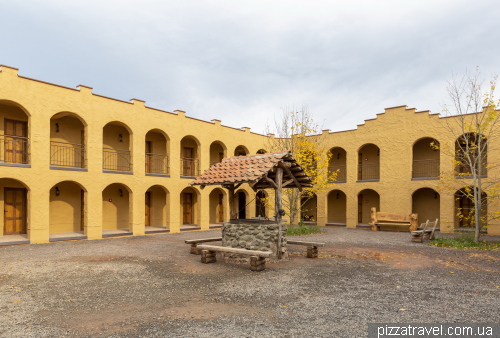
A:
(194, 243)
(424, 231)
(257, 258)
(385, 218)
(312, 247)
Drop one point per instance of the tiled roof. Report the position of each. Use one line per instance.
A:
(250, 169)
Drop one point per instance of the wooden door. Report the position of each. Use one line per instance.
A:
(16, 143)
(188, 162)
(148, 156)
(221, 208)
(14, 211)
(360, 208)
(360, 166)
(82, 210)
(147, 221)
(187, 208)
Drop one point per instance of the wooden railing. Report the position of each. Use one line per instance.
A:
(190, 167)
(157, 164)
(116, 160)
(341, 173)
(64, 154)
(14, 149)
(368, 172)
(425, 169)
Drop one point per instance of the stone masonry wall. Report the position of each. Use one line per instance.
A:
(253, 236)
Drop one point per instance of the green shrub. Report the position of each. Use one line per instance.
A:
(303, 229)
(465, 241)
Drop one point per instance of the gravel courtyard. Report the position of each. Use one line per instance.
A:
(152, 286)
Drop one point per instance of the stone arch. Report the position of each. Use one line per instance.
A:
(464, 209)
(241, 151)
(338, 163)
(157, 145)
(117, 209)
(368, 162)
(426, 203)
(67, 207)
(218, 151)
(261, 151)
(15, 125)
(367, 199)
(218, 201)
(261, 200)
(467, 143)
(157, 207)
(242, 204)
(68, 134)
(337, 207)
(15, 195)
(117, 146)
(190, 207)
(190, 156)
(426, 158)
(309, 208)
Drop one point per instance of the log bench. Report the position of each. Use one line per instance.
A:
(312, 247)
(385, 218)
(257, 258)
(194, 243)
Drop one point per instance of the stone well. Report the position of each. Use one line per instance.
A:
(252, 234)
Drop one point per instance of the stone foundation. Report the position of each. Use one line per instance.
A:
(261, 236)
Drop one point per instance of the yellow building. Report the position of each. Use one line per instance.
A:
(74, 164)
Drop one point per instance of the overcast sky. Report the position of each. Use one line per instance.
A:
(241, 61)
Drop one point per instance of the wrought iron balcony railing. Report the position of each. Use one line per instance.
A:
(157, 164)
(425, 169)
(466, 170)
(341, 173)
(190, 167)
(116, 160)
(368, 172)
(64, 154)
(14, 149)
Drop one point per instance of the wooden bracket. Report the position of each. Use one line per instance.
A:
(289, 173)
(275, 186)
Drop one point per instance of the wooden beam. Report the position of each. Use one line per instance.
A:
(293, 178)
(230, 188)
(203, 240)
(273, 184)
(236, 251)
(305, 243)
(278, 206)
(237, 186)
(288, 182)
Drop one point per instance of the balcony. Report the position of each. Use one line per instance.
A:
(64, 154)
(157, 164)
(341, 173)
(425, 169)
(369, 172)
(116, 160)
(463, 170)
(14, 150)
(190, 167)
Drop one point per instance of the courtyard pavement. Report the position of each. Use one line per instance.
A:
(152, 286)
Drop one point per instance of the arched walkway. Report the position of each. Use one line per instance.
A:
(117, 149)
(337, 204)
(67, 210)
(116, 209)
(190, 157)
(261, 151)
(67, 141)
(367, 199)
(241, 151)
(467, 150)
(369, 163)
(309, 208)
(217, 200)
(217, 152)
(426, 203)
(157, 206)
(157, 153)
(190, 208)
(337, 164)
(465, 209)
(426, 159)
(15, 128)
(241, 204)
(14, 197)
(260, 204)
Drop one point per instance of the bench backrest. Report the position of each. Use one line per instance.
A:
(387, 217)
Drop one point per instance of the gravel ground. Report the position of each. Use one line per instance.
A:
(152, 287)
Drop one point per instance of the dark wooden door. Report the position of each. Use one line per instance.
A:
(14, 211)
(147, 220)
(188, 165)
(360, 208)
(16, 142)
(187, 208)
(360, 166)
(221, 208)
(148, 156)
(242, 201)
(82, 210)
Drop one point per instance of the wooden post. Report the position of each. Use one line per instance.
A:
(230, 190)
(278, 205)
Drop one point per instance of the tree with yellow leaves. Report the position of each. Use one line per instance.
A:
(297, 132)
(473, 121)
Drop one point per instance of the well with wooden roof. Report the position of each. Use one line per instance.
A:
(261, 171)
